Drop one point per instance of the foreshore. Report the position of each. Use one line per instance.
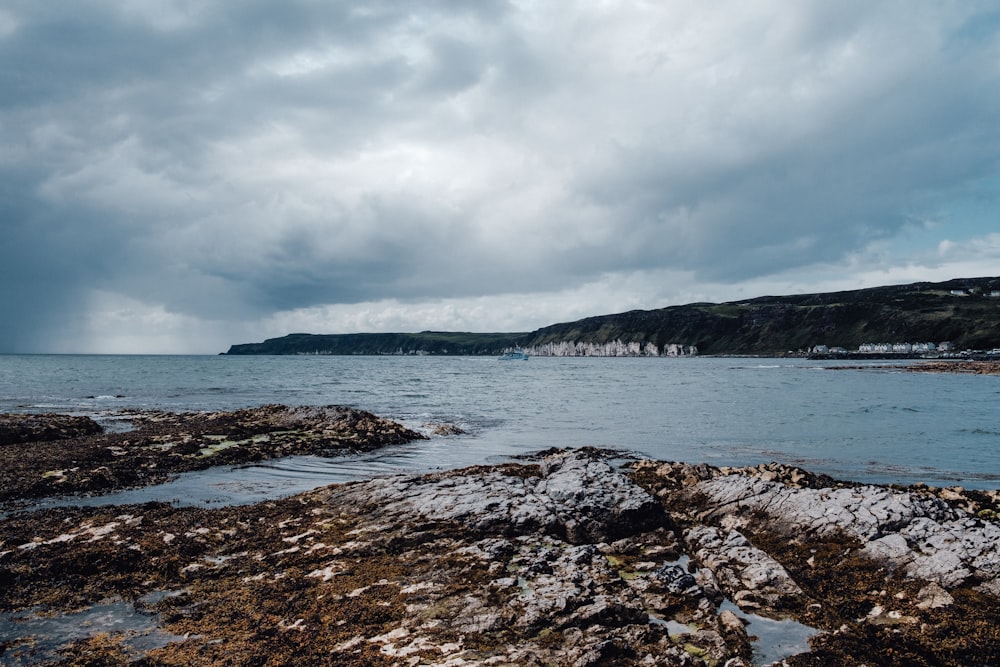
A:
(945, 366)
(567, 557)
(49, 455)
(971, 367)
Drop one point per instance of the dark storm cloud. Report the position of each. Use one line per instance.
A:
(228, 160)
(110, 111)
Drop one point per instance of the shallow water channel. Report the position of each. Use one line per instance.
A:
(772, 640)
(34, 638)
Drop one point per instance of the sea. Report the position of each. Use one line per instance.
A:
(869, 423)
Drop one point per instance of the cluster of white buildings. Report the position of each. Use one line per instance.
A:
(889, 348)
(994, 294)
(904, 348)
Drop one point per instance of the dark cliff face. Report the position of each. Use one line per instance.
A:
(961, 311)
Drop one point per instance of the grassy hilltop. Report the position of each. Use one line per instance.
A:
(919, 312)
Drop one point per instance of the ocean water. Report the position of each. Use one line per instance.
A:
(870, 425)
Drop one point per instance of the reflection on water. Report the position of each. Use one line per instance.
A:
(771, 640)
(776, 640)
(244, 485)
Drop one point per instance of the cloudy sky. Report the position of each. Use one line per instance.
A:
(177, 176)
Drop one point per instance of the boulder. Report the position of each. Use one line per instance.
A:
(16, 428)
(572, 495)
(916, 532)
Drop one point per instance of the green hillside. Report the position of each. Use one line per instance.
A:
(919, 312)
(426, 342)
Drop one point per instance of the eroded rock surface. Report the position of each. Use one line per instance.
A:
(756, 580)
(579, 498)
(921, 534)
(904, 576)
(561, 559)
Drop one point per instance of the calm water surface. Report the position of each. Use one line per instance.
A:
(868, 425)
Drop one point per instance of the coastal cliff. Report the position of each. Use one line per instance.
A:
(965, 312)
(566, 557)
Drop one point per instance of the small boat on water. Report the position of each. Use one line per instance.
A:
(513, 354)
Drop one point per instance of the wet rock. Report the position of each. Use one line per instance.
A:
(574, 496)
(442, 429)
(676, 580)
(932, 596)
(164, 444)
(508, 564)
(906, 572)
(972, 367)
(754, 579)
(922, 535)
(561, 559)
(17, 428)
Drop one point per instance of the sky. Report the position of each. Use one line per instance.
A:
(177, 176)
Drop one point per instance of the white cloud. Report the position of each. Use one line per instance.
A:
(439, 164)
(8, 24)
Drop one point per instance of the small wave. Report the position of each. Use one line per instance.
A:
(979, 431)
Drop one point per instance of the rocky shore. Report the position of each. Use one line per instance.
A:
(949, 366)
(973, 367)
(568, 557)
(48, 455)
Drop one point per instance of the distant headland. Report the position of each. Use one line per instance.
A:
(964, 313)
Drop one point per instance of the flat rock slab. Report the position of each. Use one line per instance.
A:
(755, 579)
(578, 498)
(922, 535)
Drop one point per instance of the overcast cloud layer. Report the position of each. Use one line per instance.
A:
(177, 176)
